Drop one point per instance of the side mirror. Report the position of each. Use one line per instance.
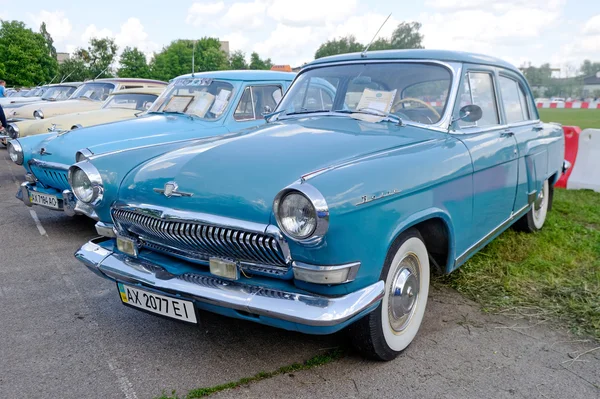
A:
(469, 113)
(267, 110)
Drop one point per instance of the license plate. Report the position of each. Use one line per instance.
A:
(159, 304)
(47, 200)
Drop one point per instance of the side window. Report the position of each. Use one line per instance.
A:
(256, 100)
(478, 89)
(514, 100)
(315, 94)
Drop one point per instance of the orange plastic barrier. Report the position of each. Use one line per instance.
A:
(571, 148)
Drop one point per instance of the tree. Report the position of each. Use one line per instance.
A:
(589, 68)
(405, 36)
(133, 64)
(237, 60)
(25, 58)
(74, 70)
(101, 54)
(176, 59)
(537, 76)
(49, 40)
(342, 45)
(257, 63)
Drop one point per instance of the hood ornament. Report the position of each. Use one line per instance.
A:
(44, 152)
(170, 190)
(52, 128)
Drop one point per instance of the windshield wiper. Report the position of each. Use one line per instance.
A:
(191, 116)
(308, 111)
(373, 111)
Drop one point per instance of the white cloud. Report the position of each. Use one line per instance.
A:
(311, 12)
(249, 15)
(57, 23)
(369, 23)
(288, 44)
(133, 34)
(92, 32)
(237, 40)
(199, 13)
(592, 26)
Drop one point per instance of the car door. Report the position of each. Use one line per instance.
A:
(255, 101)
(522, 119)
(493, 149)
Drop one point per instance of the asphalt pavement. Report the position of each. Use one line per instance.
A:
(65, 334)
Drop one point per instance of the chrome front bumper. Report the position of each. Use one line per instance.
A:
(305, 309)
(67, 202)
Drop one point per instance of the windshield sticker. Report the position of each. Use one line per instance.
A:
(178, 103)
(377, 100)
(194, 82)
(220, 102)
(202, 104)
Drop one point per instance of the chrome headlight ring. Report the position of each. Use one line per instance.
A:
(321, 211)
(13, 131)
(83, 155)
(95, 180)
(38, 114)
(15, 151)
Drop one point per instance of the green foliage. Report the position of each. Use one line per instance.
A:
(74, 70)
(237, 60)
(584, 118)
(25, 56)
(49, 41)
(553, 274)
(133, 64)
(257, 63)
(315, 361)
(405, 36)
(176, 59)
(589, 68)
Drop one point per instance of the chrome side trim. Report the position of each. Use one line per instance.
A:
(306, 309)
(479, 244)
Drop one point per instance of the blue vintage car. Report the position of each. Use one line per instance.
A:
(336, 212)
(203, 105)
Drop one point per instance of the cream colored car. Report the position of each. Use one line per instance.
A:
(120, 105)
(88, 97)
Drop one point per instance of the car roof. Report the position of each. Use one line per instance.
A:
(143, 90)
(243, 75)
(66, 84)
(125, 80)
(418, 54)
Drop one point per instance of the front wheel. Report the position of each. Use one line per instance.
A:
(534, 220)
(389, 329)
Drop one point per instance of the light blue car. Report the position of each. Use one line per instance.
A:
(198, 107)
(336, 212)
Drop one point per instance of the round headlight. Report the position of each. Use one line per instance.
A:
(13, 131)
(15, 151)
(297, 216)
(86, 182)
(82, 186)
(38, 114)
(83, 155)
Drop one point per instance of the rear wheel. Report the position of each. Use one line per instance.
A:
(389, 329)
(534, 220)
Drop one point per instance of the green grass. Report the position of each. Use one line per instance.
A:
(553, 274)
(584, 118)
(315, 361)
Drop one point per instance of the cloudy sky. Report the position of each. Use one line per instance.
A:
(289, 31)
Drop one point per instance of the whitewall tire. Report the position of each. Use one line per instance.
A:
(534, 220)
(389, 329)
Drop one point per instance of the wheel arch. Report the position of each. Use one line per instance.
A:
(436, 228)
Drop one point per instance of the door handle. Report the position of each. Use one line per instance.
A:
(537, 128)
(507, 133)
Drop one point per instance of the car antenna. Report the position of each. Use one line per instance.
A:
(104, 70)
(193, 57)
(65, 78)
(53, 79)
(364, 52)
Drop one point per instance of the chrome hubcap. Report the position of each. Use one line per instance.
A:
(404, 293)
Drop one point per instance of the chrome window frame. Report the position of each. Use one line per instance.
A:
(251, 87)
(445, 122)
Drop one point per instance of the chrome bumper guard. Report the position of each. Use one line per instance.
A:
(306, 309)
(67, 204)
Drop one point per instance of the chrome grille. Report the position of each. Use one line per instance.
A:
(199, 241)
(54, 178)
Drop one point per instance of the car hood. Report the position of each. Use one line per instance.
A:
(53, 108)
(239, 177)
(146, 130)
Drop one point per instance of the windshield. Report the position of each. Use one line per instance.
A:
(56, 93)
(133, 101)
(201, 97)
(37, 92)
(412, 91)
(94, 91)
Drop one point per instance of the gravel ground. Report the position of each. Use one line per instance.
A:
(65, 334)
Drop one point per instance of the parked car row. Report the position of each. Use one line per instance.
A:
(313, 202)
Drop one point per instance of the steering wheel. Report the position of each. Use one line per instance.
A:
(415, 100)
